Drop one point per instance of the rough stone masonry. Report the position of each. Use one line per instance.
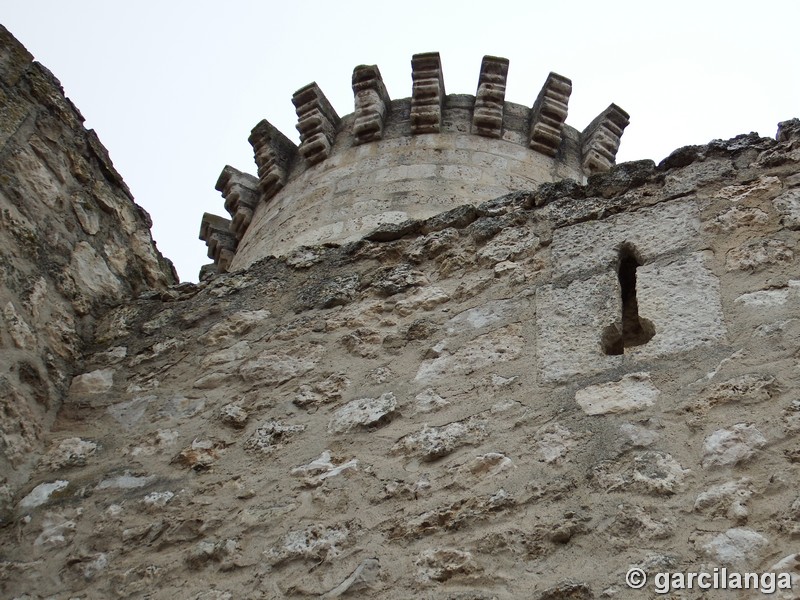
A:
(518, 398)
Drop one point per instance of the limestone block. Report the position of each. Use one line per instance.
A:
(95, 382)
(234, 415)
(317, 123)
(274, 154)
(91, 273)
(429, 401)
(502, 345)
(363, 413)
(631, 393)
(731, 446)
(427, 93)
(431, 443)
(727, 500)
(788, 206)
(553, 441)
(569, 323)
(487, 116)
(594, 246)
(600, 140)
(682, 299)
(372, 104)
(42, 493)
(510, 243)
(772, 298)
(764, 187)
(274, 368)
(758, 254)
(58, 530)
(21, 333)
(317, 543)
(650, 472)
(233, 327)
(442, 564)
(70, 452)
(548, 115)
(271, 436)
(240, 191)
(736, 218)
(486, 315)
(737, 547)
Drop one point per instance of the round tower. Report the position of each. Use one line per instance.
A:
(392, 161)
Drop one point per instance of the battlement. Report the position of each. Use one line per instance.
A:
(391, 160)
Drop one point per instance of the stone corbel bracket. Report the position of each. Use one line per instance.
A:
(600, 140)
(274, 154)
(216, 233)
(240, 192)
(372, 104)
(317, 123)
(427, 93)
(487, 116)
(548, 115)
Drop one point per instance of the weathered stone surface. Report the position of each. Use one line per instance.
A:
(431, 443)
(372, 103)
(758, 254)
(601, 138)
(364, 413)
(443, 564)
(731, 446)
(487, 116)
(427, 93)
(317, 122)
(736, 547)
(727, 500)
(549, 114)
(96, 382)
(632, 392)
(651, 472)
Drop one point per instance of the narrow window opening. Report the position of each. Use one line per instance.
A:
(631, 330)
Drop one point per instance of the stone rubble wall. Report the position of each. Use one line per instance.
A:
(72, 242)
(430, 412)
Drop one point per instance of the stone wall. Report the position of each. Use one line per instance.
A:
(72, 243)
(521, 399)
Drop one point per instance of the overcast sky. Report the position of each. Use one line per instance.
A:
(174, 87)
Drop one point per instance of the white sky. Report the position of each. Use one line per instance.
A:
(174, 87)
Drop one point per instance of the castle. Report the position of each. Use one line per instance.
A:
(446, 349)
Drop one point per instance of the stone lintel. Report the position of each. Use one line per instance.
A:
(487, 117)
(427, 93)
(372, 103)
(317, 123)
(601, 139)
(548, 115)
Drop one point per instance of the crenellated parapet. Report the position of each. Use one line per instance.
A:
(393, 160)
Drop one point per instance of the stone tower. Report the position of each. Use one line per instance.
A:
(393, 162)
(448, 351)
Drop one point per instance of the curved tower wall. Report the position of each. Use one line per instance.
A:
(393, 161)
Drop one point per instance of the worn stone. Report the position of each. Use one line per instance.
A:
(633, 392)
(364, 413)
(731, 446)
